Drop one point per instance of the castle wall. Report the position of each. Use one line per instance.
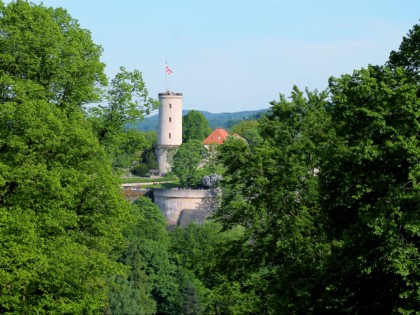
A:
(173, 201)
(164, 158)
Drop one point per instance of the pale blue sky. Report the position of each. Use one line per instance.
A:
(233, 55)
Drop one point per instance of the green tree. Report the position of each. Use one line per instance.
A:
(148, 158)
(61, 209)
(248, 129)
(253, 137)
(370, 193)
(195, 126)
(204, 254)
(55, 176)
(186, 163)
(272, 191)
(128, 148)
(127, 100)
(243, 126)
(408, 55)
(152, 284)
(47, 47)
(147, 162)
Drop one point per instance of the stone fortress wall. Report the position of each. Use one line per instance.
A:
(182, 206)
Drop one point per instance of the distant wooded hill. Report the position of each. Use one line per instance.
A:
(223, 120)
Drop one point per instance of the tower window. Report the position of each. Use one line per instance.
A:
(169, 135)
(170, 105)
(170, 119)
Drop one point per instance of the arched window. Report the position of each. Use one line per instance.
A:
(169, 135)
(170, 119)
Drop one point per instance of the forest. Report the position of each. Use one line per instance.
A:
(319, 209)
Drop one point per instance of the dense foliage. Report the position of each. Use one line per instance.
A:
(328, 203)
(127, 100)
(248, 129)
(370, 196)
(330, 200)
(151, 285)
(61, 211)
(196, 166)
(195, 126)
(319, 210)
(186, 163)
(272, 191)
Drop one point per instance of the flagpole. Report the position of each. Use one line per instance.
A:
(166, 75)
(169, 84)
(168, 72)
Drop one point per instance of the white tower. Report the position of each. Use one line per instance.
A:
(170, 128)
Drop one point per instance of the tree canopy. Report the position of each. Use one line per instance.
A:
(319, 215)
(61, 209)
(370, 192)
(186, 163)
(49, 51)
(271, 190)
(151, 285)
(195, 126)
(248, 129)
(127, 99)
(241, 127)
(408, 55)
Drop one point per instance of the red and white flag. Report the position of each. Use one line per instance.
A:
(168, 70)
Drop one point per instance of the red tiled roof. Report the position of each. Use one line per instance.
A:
(217, 136)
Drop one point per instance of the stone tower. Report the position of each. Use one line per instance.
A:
(170, 129)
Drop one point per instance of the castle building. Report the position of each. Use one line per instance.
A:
(218, 136)
(170, 129)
